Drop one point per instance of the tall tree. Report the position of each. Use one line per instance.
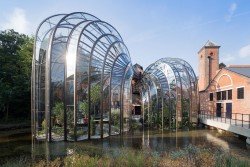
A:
(15, 71)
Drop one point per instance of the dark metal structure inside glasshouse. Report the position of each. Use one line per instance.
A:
(84, 85)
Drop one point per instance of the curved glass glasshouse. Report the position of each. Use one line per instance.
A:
(169, 96)
(84, 84)
(81, 79)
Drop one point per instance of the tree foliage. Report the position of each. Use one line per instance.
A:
(84, 108)
(58, 112)
(15, 72)
(95, 94)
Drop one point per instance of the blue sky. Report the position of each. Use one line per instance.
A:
(152, 29)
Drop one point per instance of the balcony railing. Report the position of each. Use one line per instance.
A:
(236, 119)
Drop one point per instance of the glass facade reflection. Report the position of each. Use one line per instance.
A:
(84, 84)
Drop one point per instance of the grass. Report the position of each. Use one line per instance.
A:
(17, 162)
(191, 156)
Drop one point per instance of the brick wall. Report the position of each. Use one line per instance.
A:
(208, 65)
(224, 81)
(202, 71)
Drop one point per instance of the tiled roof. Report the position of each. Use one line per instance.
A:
(240, 69)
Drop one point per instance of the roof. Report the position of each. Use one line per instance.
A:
(243, 70)
(238, 69)
(210, 44)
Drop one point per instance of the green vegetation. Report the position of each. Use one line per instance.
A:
(115, 117)
(185, 113)
(15, 71)
(93, 156)
(84, 108)
(134, 124)
(58, 113)
(95, 96)
(92, 125)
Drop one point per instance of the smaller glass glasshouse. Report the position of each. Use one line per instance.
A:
(84, 85)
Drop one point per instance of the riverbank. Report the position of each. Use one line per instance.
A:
(14, 132)
(13, 129)
(14, 123)
(188, 156)
(13, 126)
(19, 148)
(4, 127)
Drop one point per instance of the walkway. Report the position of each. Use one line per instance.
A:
(237, 123)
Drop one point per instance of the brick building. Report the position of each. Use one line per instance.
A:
(137, 90)
(223, 91)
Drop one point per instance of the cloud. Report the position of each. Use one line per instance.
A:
(231, 12)
(17, 20)
(245, 51)
(227, 58)
(232, 8)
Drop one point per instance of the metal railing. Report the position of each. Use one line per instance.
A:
(236, 119)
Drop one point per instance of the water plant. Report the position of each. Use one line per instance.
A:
(96, 157)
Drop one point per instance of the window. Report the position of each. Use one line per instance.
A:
(211, 96)
(224, 93)
(240, 93)
(218, 95)
(229, 94)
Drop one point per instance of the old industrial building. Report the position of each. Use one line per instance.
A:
(223, 90)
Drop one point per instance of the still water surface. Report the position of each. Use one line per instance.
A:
(16, 145)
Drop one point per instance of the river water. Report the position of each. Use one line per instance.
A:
(16, 145)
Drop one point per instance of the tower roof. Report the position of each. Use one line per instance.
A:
(210, 44)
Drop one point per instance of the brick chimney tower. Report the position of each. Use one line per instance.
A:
(208, 64)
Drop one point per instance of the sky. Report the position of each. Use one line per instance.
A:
(151, 29)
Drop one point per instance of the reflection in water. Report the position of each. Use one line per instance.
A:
(218, 142)
(138, 139)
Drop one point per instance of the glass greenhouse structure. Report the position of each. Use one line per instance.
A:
(169, 94)
(82, 83)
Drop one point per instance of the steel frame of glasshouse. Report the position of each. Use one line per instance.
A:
(81, 67)
(170, 84)
(74, 54)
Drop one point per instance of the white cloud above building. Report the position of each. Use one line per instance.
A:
(245, 51)
(16, 20)
(231, 11)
